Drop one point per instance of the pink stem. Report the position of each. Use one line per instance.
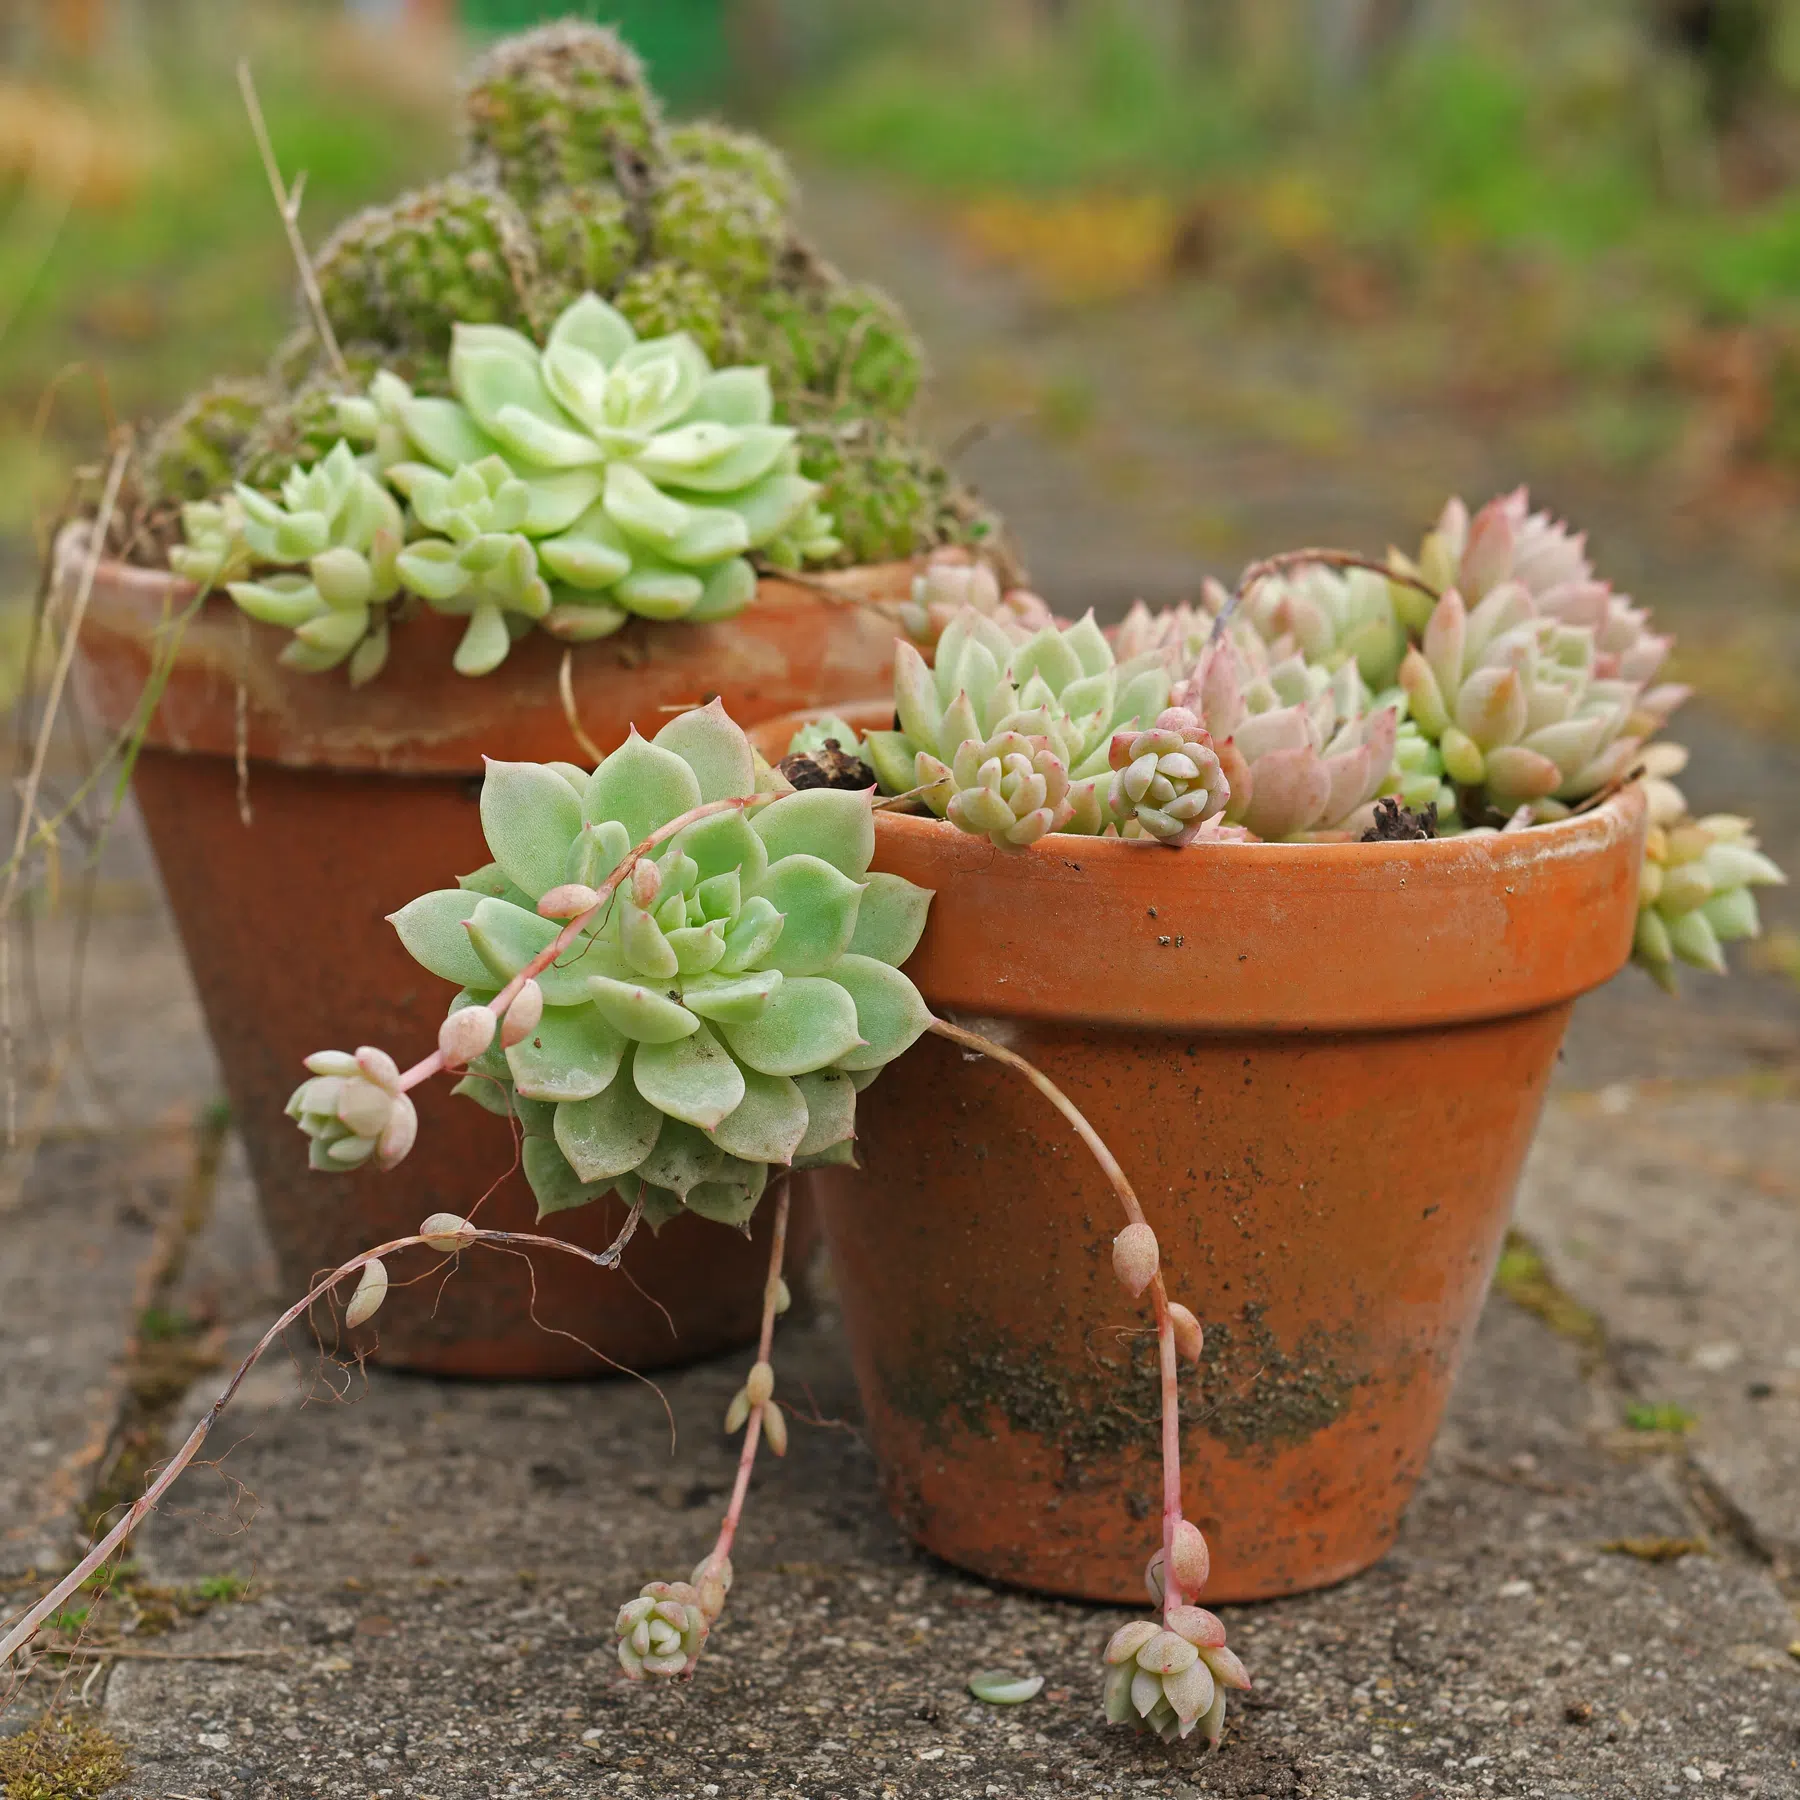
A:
(1159, 1297)
(22, 1632)
(431, 1065)
(753, 1430)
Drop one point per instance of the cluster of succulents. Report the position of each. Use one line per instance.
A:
(600, 477)
(1491, 683)
(334, 536)
(1000, 706)
(573, 184)
(717, 1014)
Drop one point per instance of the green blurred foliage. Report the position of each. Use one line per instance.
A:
(1572, 190)
(138, 236)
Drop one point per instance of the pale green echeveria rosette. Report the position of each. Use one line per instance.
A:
(1516, 708)
(1695, 889)
(1061, 689)
(720, 1016)
(1013, 789)
(650, 476)
(353, 1110)
(1332, 616)
(1302, 750)
(480, 565)
(333, 536)
(1171, 1678)
(1506, 542)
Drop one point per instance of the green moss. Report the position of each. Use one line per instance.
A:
(60, 1757)
(1659, 1415)
(1525, 1280)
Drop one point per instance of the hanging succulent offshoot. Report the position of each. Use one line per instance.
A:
(675, 976)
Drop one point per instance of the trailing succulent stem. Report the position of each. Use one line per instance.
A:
(1168, 1677)
(663, 1630)
(443, 1233)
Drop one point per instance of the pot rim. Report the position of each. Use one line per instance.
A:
(1265, 937)
(227, 693)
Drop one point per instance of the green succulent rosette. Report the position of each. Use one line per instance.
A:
(334, 535)
(1056, 692)
(719, 1016)
(648, 476)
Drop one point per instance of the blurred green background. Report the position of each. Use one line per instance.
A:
(1565, 234)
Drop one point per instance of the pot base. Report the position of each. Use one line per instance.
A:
(325, 856)
(1337, 1265)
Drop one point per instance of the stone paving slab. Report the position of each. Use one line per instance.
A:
(1674, 1215)
(440, 1563)
(85, 1238)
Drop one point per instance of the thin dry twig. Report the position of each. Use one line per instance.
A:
(65, 659)
(287, 202)
(101, 1552)
(126, 1653)
(565, 686)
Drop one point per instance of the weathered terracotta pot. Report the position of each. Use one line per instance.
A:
(1321, 1067)
(360, 800)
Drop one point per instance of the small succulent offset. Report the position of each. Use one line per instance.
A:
(1695, 895)
(354, 1110)
(337, 531)
(715, 1016)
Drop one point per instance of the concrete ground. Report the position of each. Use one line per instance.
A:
(406, 1588)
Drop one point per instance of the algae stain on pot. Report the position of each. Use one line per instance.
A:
(1251, 1394)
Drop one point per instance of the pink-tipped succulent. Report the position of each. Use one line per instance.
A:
(661, 1633)
(1167, 782)
(354, 1110)
(1516, 706)
(1296, 764)
(1171, 1677)
(952, 580)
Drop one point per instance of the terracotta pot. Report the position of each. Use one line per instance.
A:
(1321, 1067)
(361, 800)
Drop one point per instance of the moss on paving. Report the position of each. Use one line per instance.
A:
(61, 1757)
(1525, 1279)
